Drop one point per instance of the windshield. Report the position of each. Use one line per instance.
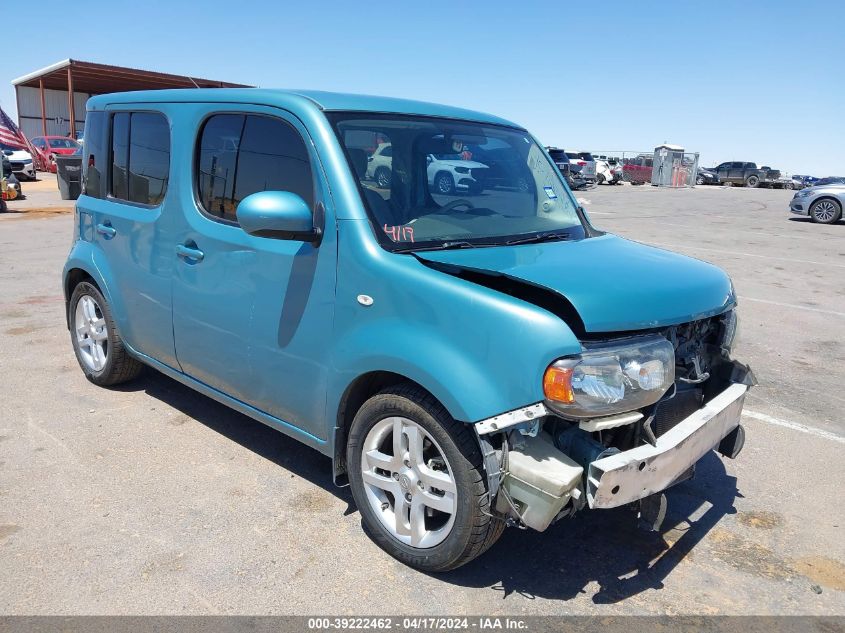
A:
(63, 143)
(447, 181)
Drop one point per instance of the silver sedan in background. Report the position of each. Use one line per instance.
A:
(822, 203)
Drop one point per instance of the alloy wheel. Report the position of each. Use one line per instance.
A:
(824, 211)
(92, 336)
(408, 482)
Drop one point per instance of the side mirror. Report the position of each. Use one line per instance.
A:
(279, 214)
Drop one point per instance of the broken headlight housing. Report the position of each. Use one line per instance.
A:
(730, 326)
(611, 379)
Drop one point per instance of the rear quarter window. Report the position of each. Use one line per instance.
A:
(140, 164)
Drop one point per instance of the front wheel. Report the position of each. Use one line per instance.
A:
(699, 180)
(826, 211)
(752, 181)
(444, 183)
(418, 480)
(600, 179)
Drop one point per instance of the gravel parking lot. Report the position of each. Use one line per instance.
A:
(151, 498)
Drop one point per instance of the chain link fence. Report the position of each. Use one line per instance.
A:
(663, 167)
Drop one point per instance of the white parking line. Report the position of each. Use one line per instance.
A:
(795, 426)
(793, 305)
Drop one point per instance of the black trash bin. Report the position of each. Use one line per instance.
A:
(69, 172)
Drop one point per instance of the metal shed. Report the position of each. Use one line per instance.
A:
(52, 100)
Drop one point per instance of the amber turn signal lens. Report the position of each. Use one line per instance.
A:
(557, 384)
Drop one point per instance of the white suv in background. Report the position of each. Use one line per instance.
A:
(380, 165)
(448, 173)
(586, 162)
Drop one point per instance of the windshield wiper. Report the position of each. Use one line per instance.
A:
(446, 246)
(539, 237)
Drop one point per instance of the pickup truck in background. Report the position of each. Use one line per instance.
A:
(747, 174)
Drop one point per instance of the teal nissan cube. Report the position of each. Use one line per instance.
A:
(410, 289)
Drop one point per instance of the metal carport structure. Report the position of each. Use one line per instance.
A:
(49, 99)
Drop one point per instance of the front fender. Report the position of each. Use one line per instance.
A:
(465, 386)
(480, 352)
(87, 257)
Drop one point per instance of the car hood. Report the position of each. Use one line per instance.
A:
(614, 284)
(460, 163)
(833, 189)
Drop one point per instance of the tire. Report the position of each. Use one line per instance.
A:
(600, 179)
(444, 183)
(454, 538)
(382, 177)
(752, 181)
(789, 186)
(699, 180)
(825, 211)
(110, 364)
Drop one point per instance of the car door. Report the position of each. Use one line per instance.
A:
(126, 187)
(736, 172)
(252, 315)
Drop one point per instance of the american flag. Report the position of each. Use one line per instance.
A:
(10, 134)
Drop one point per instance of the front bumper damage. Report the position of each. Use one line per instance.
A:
(541, 479)
(642, 471)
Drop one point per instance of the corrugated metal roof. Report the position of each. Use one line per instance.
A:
(96, 78)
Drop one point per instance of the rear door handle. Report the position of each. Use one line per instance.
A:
(106, 230)
(189, 252)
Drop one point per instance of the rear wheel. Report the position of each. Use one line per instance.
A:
(418, 480)
(752, 181)
(96, 340)
(600, 179)
(825, 211)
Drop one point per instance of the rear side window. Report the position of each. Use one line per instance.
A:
(240, 154)
(95, 154)
(140, 157)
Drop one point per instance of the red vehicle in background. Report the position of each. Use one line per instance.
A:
(48, 147)
(638, 170)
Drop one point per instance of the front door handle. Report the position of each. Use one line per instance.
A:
(106, 230)
(190, 252)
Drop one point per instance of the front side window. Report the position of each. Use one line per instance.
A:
(241, 154)
(140, 157)
(455, 181)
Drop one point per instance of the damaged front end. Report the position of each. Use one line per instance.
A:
(621, 422)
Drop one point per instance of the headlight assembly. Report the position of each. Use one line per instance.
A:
(611, 379)
(730, 325)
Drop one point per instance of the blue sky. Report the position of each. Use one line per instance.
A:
(744, 80)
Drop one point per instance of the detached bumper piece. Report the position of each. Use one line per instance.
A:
(631, 475)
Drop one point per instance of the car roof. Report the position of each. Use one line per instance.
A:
(325, 101)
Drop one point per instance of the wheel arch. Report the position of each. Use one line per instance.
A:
(827, 196)
(354, 396)
(88, 264)
(73, 278)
